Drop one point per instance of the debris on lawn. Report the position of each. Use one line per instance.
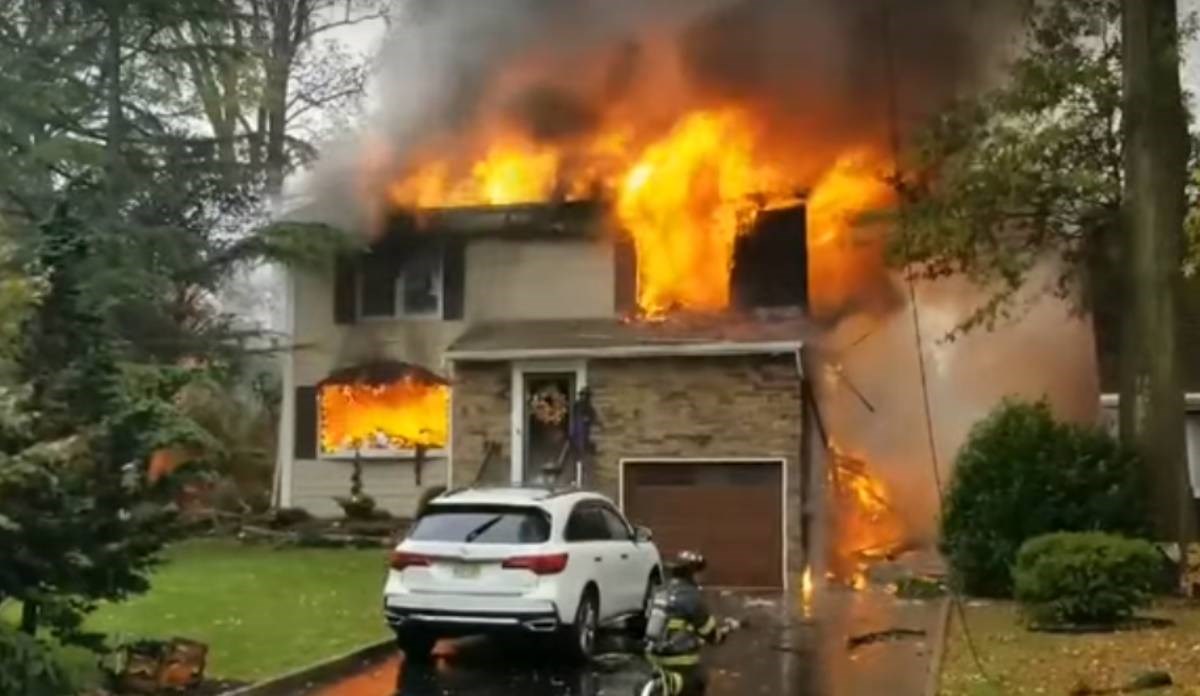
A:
(887, 635)
(1145, 681)
(920, 587)
(152, 666)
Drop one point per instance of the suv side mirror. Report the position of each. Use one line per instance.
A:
(643, 535)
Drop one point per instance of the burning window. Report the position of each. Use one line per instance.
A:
(382, 408)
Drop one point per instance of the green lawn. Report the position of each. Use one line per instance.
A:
(1020, 662)
(261, 611)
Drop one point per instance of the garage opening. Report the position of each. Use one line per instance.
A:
(732, 511)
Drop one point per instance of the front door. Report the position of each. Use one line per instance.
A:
(547, 401)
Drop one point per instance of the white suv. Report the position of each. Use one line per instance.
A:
(528, 560)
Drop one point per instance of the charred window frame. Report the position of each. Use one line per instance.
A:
(402, 286)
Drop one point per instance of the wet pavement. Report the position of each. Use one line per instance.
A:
(770, 656)
(873, 643)
(864, 643)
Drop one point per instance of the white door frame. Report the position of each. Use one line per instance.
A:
(783, 484)
(517, 415)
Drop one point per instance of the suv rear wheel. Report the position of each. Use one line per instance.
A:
(582, 633)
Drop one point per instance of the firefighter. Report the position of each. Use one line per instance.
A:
(678, 627)
(579, 434)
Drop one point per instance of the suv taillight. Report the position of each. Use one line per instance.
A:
(550, 564)
(402, 559)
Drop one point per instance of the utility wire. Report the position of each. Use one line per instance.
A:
(893, 107)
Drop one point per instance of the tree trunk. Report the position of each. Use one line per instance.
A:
(30, 617)
(1156, 153)
(115, 125)
(277, 73)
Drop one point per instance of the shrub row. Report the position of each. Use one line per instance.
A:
(1022, 474)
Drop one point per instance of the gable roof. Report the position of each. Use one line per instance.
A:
(621, 338)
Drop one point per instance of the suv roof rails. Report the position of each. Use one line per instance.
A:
(549, 491)
(560, 491)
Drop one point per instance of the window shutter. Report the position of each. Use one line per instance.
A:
(344, 291)
(305, 445)
(454, 278)
(625, 269)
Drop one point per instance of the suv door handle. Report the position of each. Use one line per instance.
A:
(624, 557)
(599, 559)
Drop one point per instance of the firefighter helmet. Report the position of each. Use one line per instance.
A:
(688, 564)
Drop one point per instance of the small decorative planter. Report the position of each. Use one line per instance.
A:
(357, 507)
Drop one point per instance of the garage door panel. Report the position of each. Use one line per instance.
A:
(732, 512)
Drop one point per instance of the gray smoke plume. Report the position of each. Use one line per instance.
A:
(871, 392)
(828, 72)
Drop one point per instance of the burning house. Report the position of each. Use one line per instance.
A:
(470, 333)
(641, 209)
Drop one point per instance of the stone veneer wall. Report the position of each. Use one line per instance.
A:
(671, 407)
(480, 412)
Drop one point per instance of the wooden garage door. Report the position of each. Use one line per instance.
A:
(732, 512)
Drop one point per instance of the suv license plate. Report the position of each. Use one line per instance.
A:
(466, 571)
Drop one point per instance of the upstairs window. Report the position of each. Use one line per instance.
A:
(394, 286)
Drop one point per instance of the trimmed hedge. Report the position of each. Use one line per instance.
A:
(1021, 474)
(1085, 578)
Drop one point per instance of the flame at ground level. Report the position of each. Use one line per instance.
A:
(866, 526)
(399, 415)
(807, 591)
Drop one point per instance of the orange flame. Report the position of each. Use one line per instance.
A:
(807, 590)
(401, 415)
(846, 256)
(511, 170)
(867, 526)
(685, 201)
(683, 195)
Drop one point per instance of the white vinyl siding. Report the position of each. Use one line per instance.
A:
(315, 484)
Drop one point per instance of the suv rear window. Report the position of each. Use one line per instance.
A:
(471, 524)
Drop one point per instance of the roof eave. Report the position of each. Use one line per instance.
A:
(711, 349)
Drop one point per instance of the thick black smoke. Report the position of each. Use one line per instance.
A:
(840, 66)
